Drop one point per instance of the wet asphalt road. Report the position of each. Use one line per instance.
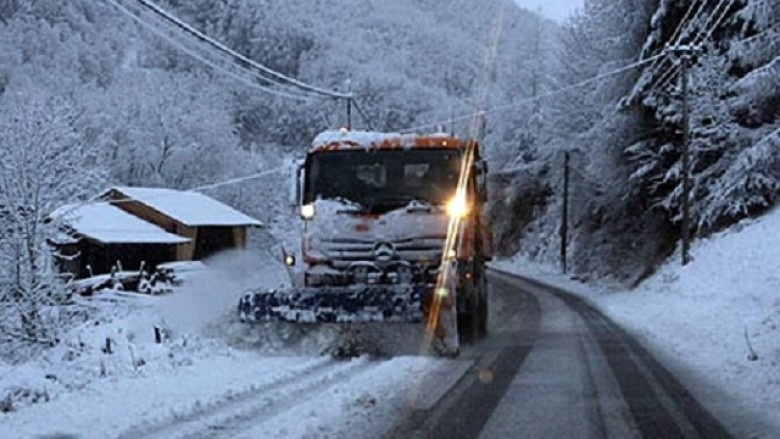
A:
(555, 367)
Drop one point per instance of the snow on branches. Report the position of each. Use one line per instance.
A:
(43, 164)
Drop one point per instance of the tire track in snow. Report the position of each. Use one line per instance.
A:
(159, 428)
(284, 399)
(234, 415)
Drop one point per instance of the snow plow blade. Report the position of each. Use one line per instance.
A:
(342, 304)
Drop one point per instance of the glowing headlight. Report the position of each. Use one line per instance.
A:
(307, 211)
(458, 206)
(289, 260)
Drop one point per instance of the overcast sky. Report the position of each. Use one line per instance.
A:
(558, 10)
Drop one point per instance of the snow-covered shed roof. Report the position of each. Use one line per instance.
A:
(189, 208)
(109, 224)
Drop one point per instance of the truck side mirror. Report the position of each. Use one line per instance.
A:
(295, 174)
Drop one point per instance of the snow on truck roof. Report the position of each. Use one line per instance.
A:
(189, 208)
(336, 140)
(109, 224)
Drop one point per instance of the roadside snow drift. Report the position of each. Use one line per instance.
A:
(718, 318)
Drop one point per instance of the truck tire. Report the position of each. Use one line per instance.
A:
(468, 320)
(482, 328)
(483, 304)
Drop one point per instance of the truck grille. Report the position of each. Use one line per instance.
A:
(345, 251)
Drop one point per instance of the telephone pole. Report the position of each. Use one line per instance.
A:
(350, 97)
(565, 211)
(685, 54)
(349, 113)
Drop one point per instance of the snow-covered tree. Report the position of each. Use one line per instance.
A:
(749, 185)
(629, 127)
(43, 164)
(733, 96)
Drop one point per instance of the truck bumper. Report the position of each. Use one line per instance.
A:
(338, 304)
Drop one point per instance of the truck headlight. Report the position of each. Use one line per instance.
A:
(307, 211)
(458, 206)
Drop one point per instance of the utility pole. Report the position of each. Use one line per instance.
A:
(350, 97)
(565, 212)
(349, 112)
(685, 54)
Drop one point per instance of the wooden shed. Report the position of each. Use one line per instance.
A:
(209, 225)
(98, 237)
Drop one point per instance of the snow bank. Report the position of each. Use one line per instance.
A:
(114, 337)
(716, 322)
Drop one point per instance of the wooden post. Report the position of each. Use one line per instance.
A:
(157, 335)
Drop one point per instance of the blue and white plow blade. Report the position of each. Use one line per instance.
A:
(337, 304)
(366, 303)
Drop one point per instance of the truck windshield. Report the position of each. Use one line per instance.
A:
(382, 180)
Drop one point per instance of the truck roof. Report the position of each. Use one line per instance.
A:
(349, 140)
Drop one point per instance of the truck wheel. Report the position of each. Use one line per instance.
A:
(468, 321)
(483, 316)
(483, 307)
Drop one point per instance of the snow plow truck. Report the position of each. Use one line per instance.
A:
(392, 231)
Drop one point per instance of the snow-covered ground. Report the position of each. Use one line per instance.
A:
(703, 319)
(247, 393)
(210, 373)
(697, 319)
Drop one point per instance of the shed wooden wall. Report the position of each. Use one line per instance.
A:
(239, 237)
(184, 252)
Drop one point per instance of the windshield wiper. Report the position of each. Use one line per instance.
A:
(411, 204)
(418, 204)
(351, 206)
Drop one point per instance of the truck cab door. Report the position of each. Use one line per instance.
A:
(295, 187)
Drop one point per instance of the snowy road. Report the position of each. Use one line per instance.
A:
(551, 367)
(555, 367)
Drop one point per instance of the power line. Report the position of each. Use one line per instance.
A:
(712, 16)
(668, 75)
(480, 113)
(237, 56)
(236, 180)
(663, 78)
(720, 20)
(684, 23)
(221, 183)
(685, 18)
(255, 82)
(238, 62)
